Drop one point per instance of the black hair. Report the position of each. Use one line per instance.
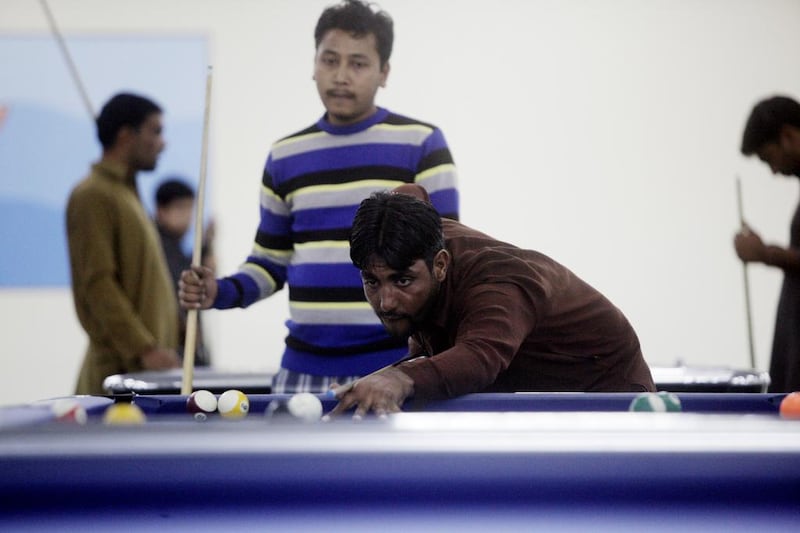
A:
(766, 120)
(359, 19)
(398, 229)
(172, 189)
(124, 109)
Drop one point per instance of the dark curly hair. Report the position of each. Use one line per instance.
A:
(397, 229)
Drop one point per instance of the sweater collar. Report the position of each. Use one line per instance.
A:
(368, 122)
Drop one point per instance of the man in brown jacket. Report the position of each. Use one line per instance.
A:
(120, 282)
(481, 315)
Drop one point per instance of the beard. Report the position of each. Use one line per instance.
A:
(415, 322)
(145, 163)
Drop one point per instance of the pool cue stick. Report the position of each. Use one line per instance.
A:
(68, 58)
(190, 342)
(746, 279)
(341, 389)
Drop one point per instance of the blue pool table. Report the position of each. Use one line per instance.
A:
(496, 462)
(678, 378)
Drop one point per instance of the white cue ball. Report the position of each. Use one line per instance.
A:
(305, 406)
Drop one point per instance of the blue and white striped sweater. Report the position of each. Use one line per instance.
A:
(312, 185)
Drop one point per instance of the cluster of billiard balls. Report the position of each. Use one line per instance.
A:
(667, 402)
(231, 404)
(234, 404)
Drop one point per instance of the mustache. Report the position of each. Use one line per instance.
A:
(393, 316)
(339, 93)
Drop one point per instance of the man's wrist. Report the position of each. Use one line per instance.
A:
(772, 256)
(406, 383)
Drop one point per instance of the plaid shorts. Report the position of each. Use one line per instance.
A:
(289, 382)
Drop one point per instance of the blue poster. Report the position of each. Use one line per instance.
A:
(48, 139)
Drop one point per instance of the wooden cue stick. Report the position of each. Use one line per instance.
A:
(68, 58)
(190, 342)
(746, 279)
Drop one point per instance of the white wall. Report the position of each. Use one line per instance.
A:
(604, 133)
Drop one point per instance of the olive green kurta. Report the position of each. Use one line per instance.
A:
(120, 282)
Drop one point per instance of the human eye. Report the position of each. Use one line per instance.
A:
(404, 281)
(359, 63)
(328, 60)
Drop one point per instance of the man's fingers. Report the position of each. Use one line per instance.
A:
(362, 406)
(376, 394)
(194, 276)
(345, 403)
(361, 411)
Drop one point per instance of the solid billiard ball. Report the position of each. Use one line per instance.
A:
(233, 404)
(790, 405)
(201, 403)
(123, 414)
(305, 406)
(69, 410)
(661, 402)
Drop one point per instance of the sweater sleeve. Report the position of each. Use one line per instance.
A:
(437, 173)
(264, 271)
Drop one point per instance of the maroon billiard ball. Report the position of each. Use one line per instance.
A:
(201, 403)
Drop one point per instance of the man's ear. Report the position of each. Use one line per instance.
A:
(790, 136)
(441, 262)
(385, 74)
(125, 135)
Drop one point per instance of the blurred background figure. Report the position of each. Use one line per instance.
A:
(772, 133)
(120, 283)
(174, 201)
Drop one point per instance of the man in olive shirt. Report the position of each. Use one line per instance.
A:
(481, 315)
(120, 282)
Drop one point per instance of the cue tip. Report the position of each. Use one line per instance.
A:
(337, 392)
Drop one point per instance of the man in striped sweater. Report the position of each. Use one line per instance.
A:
(312, 185)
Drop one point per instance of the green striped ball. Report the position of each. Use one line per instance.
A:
(661, 402)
